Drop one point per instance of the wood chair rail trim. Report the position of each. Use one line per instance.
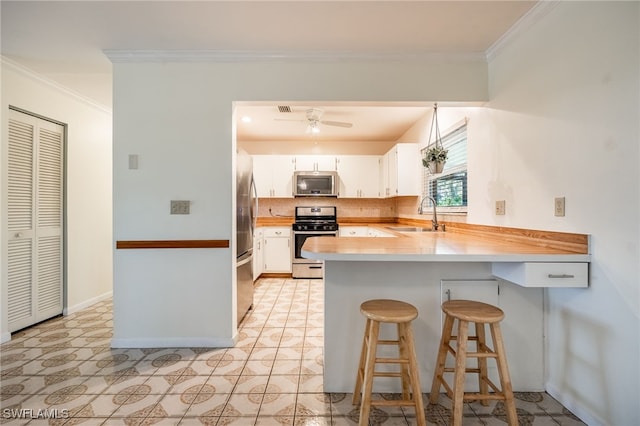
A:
(171, 244)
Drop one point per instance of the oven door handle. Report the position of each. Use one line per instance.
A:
(312, 233)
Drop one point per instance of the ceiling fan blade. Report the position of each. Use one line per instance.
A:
(290, 119)
(337, 123)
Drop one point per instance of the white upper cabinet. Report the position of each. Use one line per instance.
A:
(397, 173)
(307, 163)
(273, 175)
(359, 176)
(400, 171)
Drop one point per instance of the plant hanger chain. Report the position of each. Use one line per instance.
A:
(434, 121)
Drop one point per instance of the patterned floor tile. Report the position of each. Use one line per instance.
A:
(278, 405)
(251, 384)
(259, 354)
(289, 353)
(313, 404)
(283, 384)
(274, 421)
(176, 405)
(272, 377)
(311, 384)
(208, 405)
(242, 405)
(286, 367)
(258, 367)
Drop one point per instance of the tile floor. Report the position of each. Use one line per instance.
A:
(64, 368)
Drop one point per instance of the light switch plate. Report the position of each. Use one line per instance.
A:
(133, 161)
(180, 206)
(500, 207)
(559, 206)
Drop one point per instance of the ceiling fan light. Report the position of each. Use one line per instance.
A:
(313, 127)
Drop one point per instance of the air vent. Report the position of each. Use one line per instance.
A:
(284, 108)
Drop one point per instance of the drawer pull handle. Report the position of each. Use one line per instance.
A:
(561, 276)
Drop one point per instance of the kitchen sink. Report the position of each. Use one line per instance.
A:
(409, 229)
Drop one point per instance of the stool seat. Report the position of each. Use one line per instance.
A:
(386, 310)
(472, 311)
(377, 312)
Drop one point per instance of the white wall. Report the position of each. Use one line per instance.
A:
(88, 167)
(563, 121)
(564, 116)
(178, 118)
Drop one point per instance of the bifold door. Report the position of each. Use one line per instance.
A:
(35, 220)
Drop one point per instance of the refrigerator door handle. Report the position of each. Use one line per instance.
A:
(244, 261)
(254, 212)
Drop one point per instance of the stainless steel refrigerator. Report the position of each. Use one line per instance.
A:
(246, 210)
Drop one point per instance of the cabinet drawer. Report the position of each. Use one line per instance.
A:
(277, 232)
(543, 274)
(353, 231)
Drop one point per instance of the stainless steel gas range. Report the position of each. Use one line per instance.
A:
(311, 222)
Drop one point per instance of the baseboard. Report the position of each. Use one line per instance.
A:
(83, 305)
(172, 342)
(572, 405)
(5, 337)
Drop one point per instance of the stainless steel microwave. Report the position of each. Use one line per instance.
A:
(315, 184)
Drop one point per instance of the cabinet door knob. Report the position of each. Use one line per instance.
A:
(19, 234)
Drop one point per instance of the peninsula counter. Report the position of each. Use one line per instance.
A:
(425, 269)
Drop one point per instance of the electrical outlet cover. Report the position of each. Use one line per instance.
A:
(180, 206)
(500, 207)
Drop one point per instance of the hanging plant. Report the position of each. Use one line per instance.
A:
(435, 156)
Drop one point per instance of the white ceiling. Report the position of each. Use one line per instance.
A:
(64, 42)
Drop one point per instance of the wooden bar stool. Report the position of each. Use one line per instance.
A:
(465, 312)
(400, 313)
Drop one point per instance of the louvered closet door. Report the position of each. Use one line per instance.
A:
(34, 219)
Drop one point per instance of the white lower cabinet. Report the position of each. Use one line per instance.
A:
(373, 232)
(258, 245)
(543, 274)
(486, 291)
(277, 249)
(353, 231)
(362, 231)
(522, 326)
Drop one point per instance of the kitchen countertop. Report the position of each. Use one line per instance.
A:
(434, 247)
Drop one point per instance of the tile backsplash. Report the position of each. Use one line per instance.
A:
(398, 207)
(346, 207)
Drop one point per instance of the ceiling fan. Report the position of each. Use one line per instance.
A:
(313, 121)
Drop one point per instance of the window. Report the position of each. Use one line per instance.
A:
(449, 188)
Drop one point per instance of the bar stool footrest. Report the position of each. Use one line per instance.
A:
(392, 361)
(394, 403)
(476, 396)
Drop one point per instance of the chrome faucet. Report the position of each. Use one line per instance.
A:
(434, 221)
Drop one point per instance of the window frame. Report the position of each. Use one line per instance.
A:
(448, 140)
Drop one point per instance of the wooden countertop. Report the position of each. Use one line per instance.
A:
(436, 247)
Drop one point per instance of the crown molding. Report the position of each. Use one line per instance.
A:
(124, 56)
(534, 15)
(33, 75)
